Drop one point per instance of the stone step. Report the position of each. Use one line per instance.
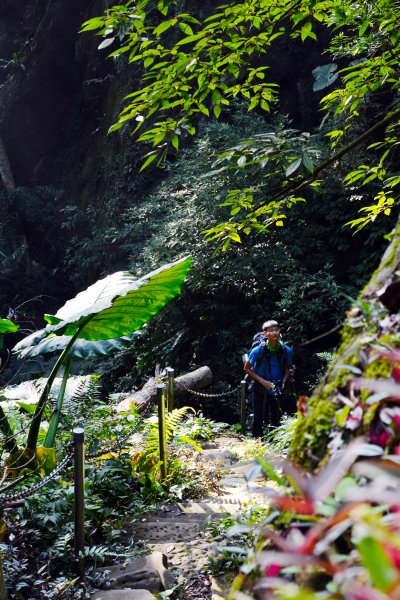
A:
(168, 530)
(126, 594)
(186, 556)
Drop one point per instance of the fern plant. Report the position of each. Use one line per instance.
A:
(146, 460)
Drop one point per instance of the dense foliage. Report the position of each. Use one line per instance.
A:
(214, 59)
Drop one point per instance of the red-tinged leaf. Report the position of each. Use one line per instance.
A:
(290, 559)
(278, 540)
(299, 479)
(365, 593)
(396, 374)
(326, 531)
(392, 355)
(390, 388)
(325, 482)
(299, 506)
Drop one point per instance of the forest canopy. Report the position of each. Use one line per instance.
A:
(197, 64)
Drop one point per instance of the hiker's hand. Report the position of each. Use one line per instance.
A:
(268, 385)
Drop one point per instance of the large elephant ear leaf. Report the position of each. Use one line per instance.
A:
(112, 308)
(7, 326)
(81, 348)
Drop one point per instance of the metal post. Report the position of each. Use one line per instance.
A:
(243, 406)
(161, 430)
(170, 389)
(79, 492)
(3, 591)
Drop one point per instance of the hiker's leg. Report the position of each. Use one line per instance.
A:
(258, 398)
(275, 411)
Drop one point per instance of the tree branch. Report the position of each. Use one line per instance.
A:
(330, 161)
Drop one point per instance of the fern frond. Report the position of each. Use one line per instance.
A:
(87, 393)
(149, 456)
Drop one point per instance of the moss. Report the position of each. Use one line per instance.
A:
(369, 416)
(312, 433)
(390, 258)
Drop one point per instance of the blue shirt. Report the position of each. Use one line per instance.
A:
(270, 369)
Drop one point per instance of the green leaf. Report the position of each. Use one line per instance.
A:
(269, 471)
(164, 26)
(175, 141)
(235, 237)
(324, 76)
(342, 415)
(81, 349)
(376, 561)
(105, 43)
(148, 161)
(190, 38)
(293, 167)
(306, 30)
(115, 306)
(7, 326)
(29, 408)
(217, 110)
(96, 23)
(307, 162)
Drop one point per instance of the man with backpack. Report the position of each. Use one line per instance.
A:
(269, 364)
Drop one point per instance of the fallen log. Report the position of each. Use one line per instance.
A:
(195, 380)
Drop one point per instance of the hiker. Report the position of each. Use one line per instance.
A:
(270, 365)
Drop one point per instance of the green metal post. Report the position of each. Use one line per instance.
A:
(170, 389)
(243, 406)
(161, 430)
(79, 493)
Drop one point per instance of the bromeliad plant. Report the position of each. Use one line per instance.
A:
(103, 318)
(329, 535)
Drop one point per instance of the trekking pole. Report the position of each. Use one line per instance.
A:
(243, 406)
(161, 430)
(79, 494)
(170, 389)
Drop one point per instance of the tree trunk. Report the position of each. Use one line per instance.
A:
(6, 174)
(373, 322)
(195, 380)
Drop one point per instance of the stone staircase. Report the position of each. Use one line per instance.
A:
(175, 535)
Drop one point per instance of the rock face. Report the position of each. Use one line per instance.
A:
(41, 78)
(58, 97)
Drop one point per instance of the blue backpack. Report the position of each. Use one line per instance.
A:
(261, 338)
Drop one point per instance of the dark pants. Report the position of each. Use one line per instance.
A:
(266, 406)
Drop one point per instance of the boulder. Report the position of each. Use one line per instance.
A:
(148, 572)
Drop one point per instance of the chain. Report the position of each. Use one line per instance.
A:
(5, 498)
(204, 395)
(8, 498)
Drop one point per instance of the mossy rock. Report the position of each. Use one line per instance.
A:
(367, 326)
